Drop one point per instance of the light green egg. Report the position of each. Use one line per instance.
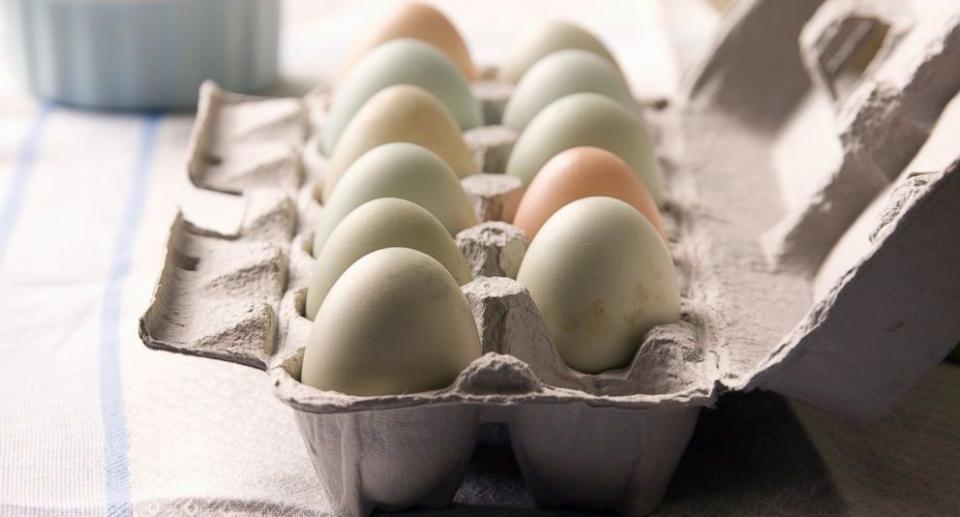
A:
(394, 322)
(382, 223)
(601, 277)
(550, 37)
(558, 75)
(586, 119)
(401, 61)
(402, 170)
(399, 113)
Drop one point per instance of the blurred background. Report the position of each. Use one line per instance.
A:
(315, 36)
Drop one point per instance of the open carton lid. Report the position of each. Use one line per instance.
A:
(888, 317)
(885, 73)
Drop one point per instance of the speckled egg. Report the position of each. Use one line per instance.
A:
(578, 173)
(400, 113)
(394, 322)
(401, 61)
(401, 170)
(547, 39)
(382, 223)
(586, 119)
(601, 277)
(560, 74)
(422, 22)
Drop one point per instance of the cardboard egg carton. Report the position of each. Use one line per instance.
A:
(749, 321)
(255, 278)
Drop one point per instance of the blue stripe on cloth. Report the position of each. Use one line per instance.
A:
(22, 168)
(115, 443)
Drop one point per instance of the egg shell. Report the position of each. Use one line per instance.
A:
(560, 74)
(402, 61)
(402, 170)
(578, 173)
(424, 23)
(382, 223)
(601, 277)
(549, 38)
(586, 119)
(400, 113)
(395, 322)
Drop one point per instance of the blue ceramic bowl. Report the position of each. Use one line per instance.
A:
(142, 54)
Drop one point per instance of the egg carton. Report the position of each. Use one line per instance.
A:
(238, 294)
(750, 317)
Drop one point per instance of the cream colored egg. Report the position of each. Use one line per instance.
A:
(601, 277)
(382, 223)
(425, 23)
(401, 61)
(549, 38)
(401, 170)
(560, 74)
(400, 113)
(395, 322)
(586, 119)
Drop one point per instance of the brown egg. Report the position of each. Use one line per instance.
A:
(578, 173)
(422, 22)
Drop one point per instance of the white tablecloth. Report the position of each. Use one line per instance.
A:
(92, 422)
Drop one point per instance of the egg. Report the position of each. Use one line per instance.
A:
(558, 75)
(586, 119)
(425, 23)
(395, 322)
(547, 39)
(402, 170)
(382, 223)
(402, 61)
(578, 173)
(601, 277)
(400, 113)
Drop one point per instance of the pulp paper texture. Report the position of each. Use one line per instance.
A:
(746, 262)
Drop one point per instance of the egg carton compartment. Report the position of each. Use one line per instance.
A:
(241, 141)
(882, 318)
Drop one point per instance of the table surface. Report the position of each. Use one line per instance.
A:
(91, 422)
